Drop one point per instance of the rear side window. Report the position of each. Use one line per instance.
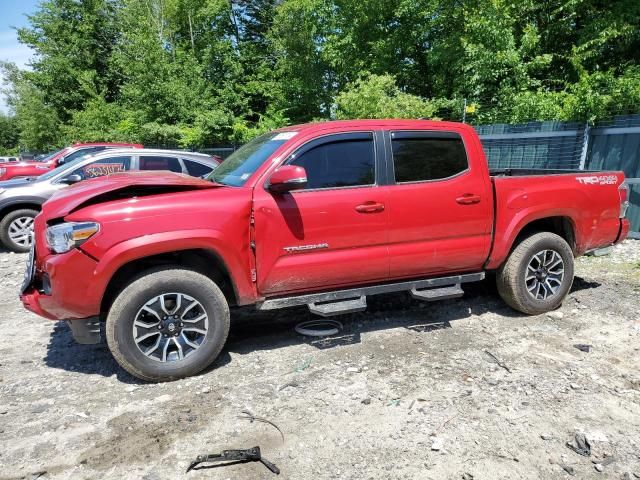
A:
(348, 161)
(419, 157)
(196, 169)
(158, 162)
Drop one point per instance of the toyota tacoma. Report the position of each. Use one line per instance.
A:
(321, 215)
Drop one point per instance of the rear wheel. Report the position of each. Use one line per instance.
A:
(538, 274)
(16, 228)
(167, 324)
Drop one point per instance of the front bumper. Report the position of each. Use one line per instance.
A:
(62, 288)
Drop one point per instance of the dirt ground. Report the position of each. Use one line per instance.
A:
(406, 391)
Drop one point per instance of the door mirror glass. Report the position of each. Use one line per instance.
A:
(71, 179)
(288, 178)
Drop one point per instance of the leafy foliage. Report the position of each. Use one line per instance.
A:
(191, 73)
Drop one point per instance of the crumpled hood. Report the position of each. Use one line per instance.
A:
(117, 186)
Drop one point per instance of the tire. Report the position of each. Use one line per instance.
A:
(134, 305)
(530, 286)
(10, 226)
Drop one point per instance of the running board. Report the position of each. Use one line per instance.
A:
(433, 294)
(339, 308)
(357, 293)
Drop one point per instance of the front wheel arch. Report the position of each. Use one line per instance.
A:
(205, 262)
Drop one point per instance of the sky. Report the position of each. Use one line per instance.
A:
(12, 14)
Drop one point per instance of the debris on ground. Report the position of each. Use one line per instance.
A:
(583, 347)
(497, 361)
(582, 446)
(232, 457)
(247, 415)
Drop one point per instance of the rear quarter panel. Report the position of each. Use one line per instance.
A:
(589, 200)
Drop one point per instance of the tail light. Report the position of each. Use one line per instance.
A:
(623, 191)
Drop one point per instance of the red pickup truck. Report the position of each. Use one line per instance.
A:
(37, 168)
(321, 215)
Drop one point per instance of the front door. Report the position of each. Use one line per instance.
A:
(332, 233)
(440, 206)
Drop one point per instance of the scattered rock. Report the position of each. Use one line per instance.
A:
(366, 401)
(546, 436)
(353, 370)
(467, 476)
(206, 390)
(556, 315)
(599, 467)
(569, 469)
(437, 445)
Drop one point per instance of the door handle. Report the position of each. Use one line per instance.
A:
(370, 207)
(468, 199)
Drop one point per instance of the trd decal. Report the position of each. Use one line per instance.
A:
(598, 180)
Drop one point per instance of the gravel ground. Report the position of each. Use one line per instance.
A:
(406, 391)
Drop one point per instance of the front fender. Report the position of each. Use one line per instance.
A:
(236, 260)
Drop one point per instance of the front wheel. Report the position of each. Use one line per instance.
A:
(538, 274)
(16, 228)
(167, 324)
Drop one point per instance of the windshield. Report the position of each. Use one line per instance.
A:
(241, 164)
(63, 167)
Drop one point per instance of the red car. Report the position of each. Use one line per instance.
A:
(37, 168)
(321, 215)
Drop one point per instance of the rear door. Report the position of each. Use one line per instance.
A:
(440, 205)
(335, 231)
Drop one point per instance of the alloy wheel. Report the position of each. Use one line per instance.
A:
(170, 327)
(544, 274)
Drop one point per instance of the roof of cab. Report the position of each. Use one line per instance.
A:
(372, 123)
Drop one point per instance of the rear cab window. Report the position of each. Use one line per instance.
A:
(422, 156)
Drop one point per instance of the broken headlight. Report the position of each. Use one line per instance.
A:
(65, 236)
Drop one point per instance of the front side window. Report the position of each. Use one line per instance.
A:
(102, 167)
(158, 162)
(420, 157)
(348, 161)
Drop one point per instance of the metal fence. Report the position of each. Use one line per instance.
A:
(611, 145)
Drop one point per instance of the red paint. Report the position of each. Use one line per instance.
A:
(35, 169)
(313, 240)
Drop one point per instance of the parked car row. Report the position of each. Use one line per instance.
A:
(22, 197)
(321, 215)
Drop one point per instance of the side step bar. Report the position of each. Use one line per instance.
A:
(356, 297)
(432, 294)
(339, 308)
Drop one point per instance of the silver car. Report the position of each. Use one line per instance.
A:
(21, 199)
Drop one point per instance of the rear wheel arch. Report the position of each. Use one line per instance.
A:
(563, 226)
(204, 261)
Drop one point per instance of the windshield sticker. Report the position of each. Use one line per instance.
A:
(598, 180)
(285, 136)
(102, 169)
(245, 176)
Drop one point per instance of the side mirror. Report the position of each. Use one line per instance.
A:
(71, 179)
(61, 161)
(288, 178)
